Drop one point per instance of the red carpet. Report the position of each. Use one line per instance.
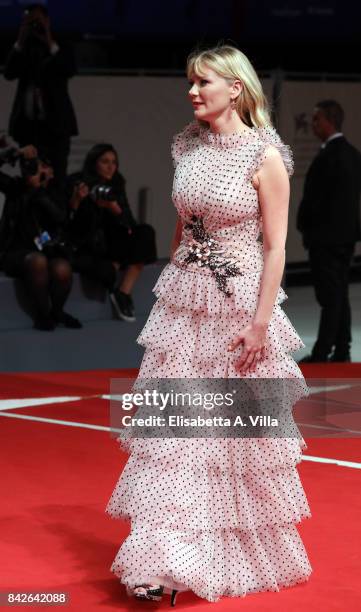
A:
(57, 481)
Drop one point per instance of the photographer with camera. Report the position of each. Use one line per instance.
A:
(42, 113)
(103, 231)
(31, 247)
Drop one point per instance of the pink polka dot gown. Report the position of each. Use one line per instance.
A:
(216, 515)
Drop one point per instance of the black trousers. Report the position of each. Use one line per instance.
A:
(330, 266)
(55, 147)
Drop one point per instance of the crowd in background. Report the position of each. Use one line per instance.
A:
(52, 223)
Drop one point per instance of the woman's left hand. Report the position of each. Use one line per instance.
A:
(253, 338)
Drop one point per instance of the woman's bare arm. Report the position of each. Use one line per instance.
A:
(273, 195)
(176, 238)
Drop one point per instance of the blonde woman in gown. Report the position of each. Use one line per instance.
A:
(218, 516)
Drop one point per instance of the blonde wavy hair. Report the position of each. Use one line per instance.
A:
(229, 62)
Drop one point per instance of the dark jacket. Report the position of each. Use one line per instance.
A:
(89, 224)
(329, 213)
(27, 212)
(50, 73)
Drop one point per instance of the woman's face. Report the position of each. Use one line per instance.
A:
(106, 166)
(210, 95)
(42, 177)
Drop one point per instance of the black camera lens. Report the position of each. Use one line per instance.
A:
(29, 167)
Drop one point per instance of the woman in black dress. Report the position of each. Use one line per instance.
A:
(31, 243)
(103, 231)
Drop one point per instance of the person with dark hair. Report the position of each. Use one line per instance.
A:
(329, 221)
(333, 112)
(42, 112)
(103, 231)
(30, 244)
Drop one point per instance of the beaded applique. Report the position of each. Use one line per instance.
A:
(205, 251)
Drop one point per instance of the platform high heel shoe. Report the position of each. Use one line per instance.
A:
(153, 592)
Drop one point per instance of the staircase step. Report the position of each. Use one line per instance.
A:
(99, 345)
(88, 301)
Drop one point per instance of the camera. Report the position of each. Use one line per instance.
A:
(103, 192)
(35, 27)
(29, 167)
(10, 154)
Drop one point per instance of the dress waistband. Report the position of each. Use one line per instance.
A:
(201, 251)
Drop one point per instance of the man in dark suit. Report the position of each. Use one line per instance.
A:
(329, 220)
(42, 113)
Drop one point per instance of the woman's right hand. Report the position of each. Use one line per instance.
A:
(28, 152)
(81, 191)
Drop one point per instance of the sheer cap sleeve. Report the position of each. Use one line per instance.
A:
(269, 136)
(184, 140)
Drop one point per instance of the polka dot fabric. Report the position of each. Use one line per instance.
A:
(216, 515)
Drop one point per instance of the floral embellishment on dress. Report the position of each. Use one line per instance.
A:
(205, 251)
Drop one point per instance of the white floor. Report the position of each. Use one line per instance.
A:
(303, 312)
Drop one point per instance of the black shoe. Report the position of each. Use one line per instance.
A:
(44, 323)
(148, 591)
(123, 305)
(314, 359)
(64, 318)
(130, 300)
(152, 592)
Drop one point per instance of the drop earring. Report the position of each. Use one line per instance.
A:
(233, 103)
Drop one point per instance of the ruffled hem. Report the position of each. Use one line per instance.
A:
(205, 339)
(197, 291)
(231, 455)
(224, 563)
(192, 316)
(211, 501)
(157, 364)
(222, 475)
